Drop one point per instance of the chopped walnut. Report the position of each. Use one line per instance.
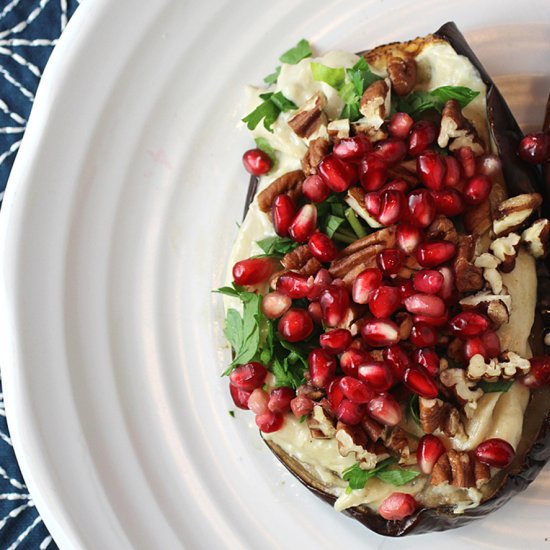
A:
(456, 127)
(310, 116)
(355, 199)
(442, 228)
(402, 74)
(512, 213)
(316, 150)
(494, 278)
(375, 104)
(338, 129)
(353, 439)
(496, 306)
(456, 381)
(487, 261)
(535, 238)
(468, 277)
(320, 425)
(506, 250)
(374, 430)
(507, 367)
(398, 443)
(289, 182)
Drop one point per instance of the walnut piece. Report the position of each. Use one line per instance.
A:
(511, 214)
(535, 238)
(310, 116)
(442, 228)
(402, 74)
(456, 127)
(496, 306)
(316, 150)
(375, 104)
(291, 182)
(320, 425)
(494, 278)
(456, 381)
(338, 129)
(506, 250)
(508, 366)
(398, 442)
(487, 261)
(468, 277)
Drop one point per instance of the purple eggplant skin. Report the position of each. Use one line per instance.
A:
(534, 449)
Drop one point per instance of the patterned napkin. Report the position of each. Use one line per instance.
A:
(29, 29)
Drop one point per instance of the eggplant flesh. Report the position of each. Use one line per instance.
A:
(533, 451)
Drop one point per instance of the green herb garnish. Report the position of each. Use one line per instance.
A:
(418, 102)
(494, 387)
(334, 77)
(265, 146)
(277, 246)
(272, 106)
(414, 408)
(385, 471)
(291, 57)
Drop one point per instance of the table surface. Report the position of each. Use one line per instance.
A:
(29, 29)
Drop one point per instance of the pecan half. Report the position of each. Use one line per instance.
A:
(374, 104)
(310, 116)
(316, 150)
(468, 277)
(460, 469)
(297, 258)
(436, 415)
(456, 127)
(287, 183)
(402, 74)
(511, 214)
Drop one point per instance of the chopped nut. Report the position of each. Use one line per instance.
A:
(402, 74)
(310, 116)
(507, 367)
(497, 307)
(320, 425)
(535, 238)
(468, 277)
(291, 181)
(355, 199)
(309, 391)
(316, 150)
(435, 415)
(405, 323)
(455, 379)
(338, 129)
(399, 444)
(462, 469)
(482, 473)
(363, 127)
(297, 258)
(441, 472)
(374, 430)
(375, 104)
(487, 260)
(455, 126)
(506, 250)
(512, 213)
(442, 228)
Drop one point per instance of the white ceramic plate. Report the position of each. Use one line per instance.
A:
(117, 222)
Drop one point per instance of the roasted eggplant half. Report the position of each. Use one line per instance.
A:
(389, 291)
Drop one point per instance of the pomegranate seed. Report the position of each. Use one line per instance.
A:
(257, 162)
(428, 453)
(489, 165)
(390, 260)
(406, 288)
(452, 172)
(477, 189)
(258, 400)
(314, 309)
(335, 393)
(294, 285)
(423, 134)
(391, 150)
(469, 323)
(322, 280)
(295, 325)
(380, 332)
(495, 452)
(384, 301)
(391, 208)
(474, 346)
(377, 374)
(372, 203)
(535, 148)
(408, 237)
(491, 341)
(449, 202)
(350, 413)
(418, 380)
(427, 358)
(365, 284)
(351, 359)
(335, 341)
(315, 189)
(431, 169)
(400, 125)
(373, 172)
(322, 247)
(275, 304)
(428, 281)
(280, 398)
(434, 253)
(353, 148)
(448, 289)
(425, 304)
(335, 173)
(355, 390)
(398, 360)
(334, 304)
(252, 271)
(395, 185)
(539, 375)
(322, 367)
(240, 397)
(270, 422)
(432, 321)
(467, 161)
(282, 212)
(304, 223)
(385, 409)
(301, 405)
(421, 208)
(397, 506)
(248, 377)
(423, 335)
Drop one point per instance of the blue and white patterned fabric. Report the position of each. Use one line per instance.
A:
(29, 30)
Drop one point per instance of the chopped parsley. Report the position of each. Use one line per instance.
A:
(291, 57)
(277, 246)
(386, 471)
(494, 387)
(272, 106)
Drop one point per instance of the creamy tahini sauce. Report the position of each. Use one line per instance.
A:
(498, 415)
